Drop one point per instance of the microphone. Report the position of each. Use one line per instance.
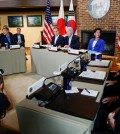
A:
(41, 91)
(1, 71)
(48, 91)
(71, 72)
(73, 61)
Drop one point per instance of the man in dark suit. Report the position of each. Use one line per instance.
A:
(71, 40)
(6, 39)
(19, 38)
(57, 40)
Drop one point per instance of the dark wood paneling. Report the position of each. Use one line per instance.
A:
(37, 9)
(32, 3)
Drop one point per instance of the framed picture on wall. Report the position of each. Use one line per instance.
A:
(34, 20)
(55, 18)
(15, 21)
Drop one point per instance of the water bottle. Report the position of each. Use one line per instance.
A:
(83, 66)
(67, 83)
(6, 45)
(93, 56)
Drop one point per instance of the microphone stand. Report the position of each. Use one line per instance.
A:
(50, 78)
(73, 60)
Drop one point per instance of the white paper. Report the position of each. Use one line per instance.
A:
(99, 75)
(53, 48)
(83, 50)
(73, 51)
(64, 48)
(14, 46)
(97, 53)
(36, 46)
(72, 91)
(91, 92)
(99, 63)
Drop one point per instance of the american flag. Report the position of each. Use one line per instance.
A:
(47, 28)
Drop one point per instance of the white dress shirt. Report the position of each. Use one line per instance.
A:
(19, 38)
(94, 43)
(70, 38)
(56, 37)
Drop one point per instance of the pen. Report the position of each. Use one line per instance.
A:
(87, 90)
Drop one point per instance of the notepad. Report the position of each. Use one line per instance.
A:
(98, 75)
(99, 63)
(73, 90)
(91, 93)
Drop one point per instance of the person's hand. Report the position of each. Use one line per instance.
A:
(19, 42)
(110, 120)
(117, 73)
(66, 46)
(59, 46)
(49, 44)
(109, 100)
(109, 83)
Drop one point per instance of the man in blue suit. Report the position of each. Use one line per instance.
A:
(6, 38)
(71, 40)
(96, 44)
(57, 40)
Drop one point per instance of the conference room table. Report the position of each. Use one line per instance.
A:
(35, 119)
(12, 61)
(45, 62)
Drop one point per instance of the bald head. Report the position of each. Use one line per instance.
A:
(69, 31)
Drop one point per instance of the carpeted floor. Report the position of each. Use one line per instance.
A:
(16, 86)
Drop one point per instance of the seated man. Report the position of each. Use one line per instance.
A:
(57, 40)
(71, 40)
(19, 38)
(6, 38)
(5, 102)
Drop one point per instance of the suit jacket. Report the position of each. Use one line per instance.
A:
(99, 46)
(3, 40)
(75, 43)
(22, 39)
(59, 42)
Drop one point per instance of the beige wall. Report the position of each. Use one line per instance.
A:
(32, 34)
